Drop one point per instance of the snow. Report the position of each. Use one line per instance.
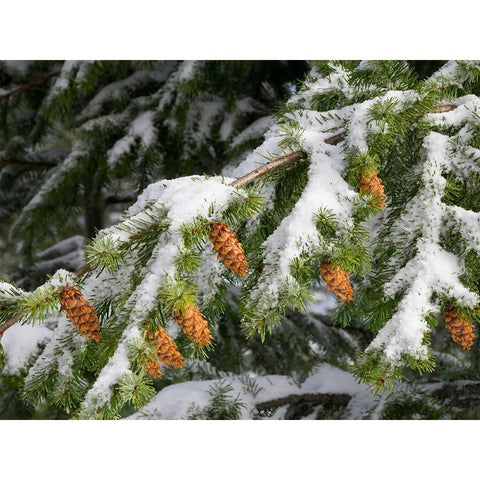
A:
(323, 302)
(141, 128)
(297, 232)
(431, 270)
(160, 267)
(467, 222)
(178, 401)
(187, 70)
(446, 71)
(254, 130)
(467, 108)
(53, 351)
(181, 200)
(20, 344)
(63, 80)
(187, 197)
(101, 391)
(72, 260)
(7, 290)
(121, 88)
(66, 167)
(243, 106)
(269, 149)
(63, 247)
(17, 67)
(60, 278)
(210, 276)
(451, 73)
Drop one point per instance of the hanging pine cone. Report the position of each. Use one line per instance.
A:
(459, 327)
(193, 324)
(229, 249)
(337, 281)
(166, 350)
(371, 183)
(153, 369)
(80, 312)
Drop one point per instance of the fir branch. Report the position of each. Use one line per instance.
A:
(242, 182)
(23, 163)
(443, 108)
(30, 85)
(268, 167)
(339, 399)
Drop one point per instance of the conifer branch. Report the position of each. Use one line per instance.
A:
(9, 323)
(240, 182)
(30, 85)
(443, 108)
(280, 162)
(312, 398)
(82, 270)
(300, 155)
(22, 163)
(16, 318)
(268, 167)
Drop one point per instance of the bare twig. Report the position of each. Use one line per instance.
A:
(9, 323)
(279, 162)
(22, 163)
(268, 167)
(29, 85)
(310, 398)
(443, 108)
(82, 270)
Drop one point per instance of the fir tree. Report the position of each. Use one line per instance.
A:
(364, 183)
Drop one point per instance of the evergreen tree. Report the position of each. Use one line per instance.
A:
(360, 189)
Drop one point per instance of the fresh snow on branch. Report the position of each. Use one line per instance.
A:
(183, 400)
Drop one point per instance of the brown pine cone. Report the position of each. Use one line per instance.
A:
(337, 281)
(153, 369)
(166, 350)
(229, 249)
(80, 312)
(459, 327)
(193, 324)
(371, 183)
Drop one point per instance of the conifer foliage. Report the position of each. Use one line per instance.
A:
(365, 181)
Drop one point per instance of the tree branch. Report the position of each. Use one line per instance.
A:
(16, 318)
(29, 85)
(279, 162)
(268, 167)
(293, 401)
(22, 163)
(9, 323)
(299, 155)
(242, 182)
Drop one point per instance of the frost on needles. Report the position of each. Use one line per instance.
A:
(377, 184)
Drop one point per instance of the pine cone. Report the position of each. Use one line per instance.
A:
(153, 369)
(229, 249)
(193, 324)
(80, 312)
(460, 328)
(371, 183)
(337, 281)
(166, 350)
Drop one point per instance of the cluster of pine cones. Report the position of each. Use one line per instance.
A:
(190, 319)
(230, 251)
